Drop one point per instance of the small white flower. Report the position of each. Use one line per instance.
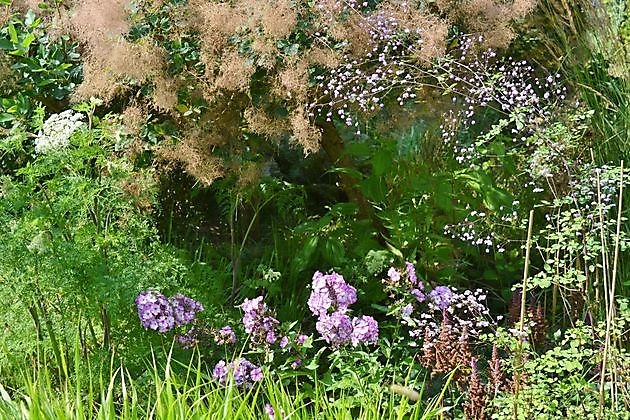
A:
(57, 130)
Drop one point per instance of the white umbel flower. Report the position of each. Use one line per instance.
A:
(57, 130)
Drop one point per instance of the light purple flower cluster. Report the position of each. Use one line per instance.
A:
(364, 330)
(243, 372)
(478, 228)
(411, 273)
(336, 329)
(466, 311)
(184, 308)
(331, 292)
(419, 294)
(441, 296)
(154, 311)
(284, 341)
(471, 230)
(393, 275)
(585, 184)
(225, 336)
(258, 322)
(161, 314)
(509, 86)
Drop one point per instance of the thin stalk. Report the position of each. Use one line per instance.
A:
(610, 308)
(236, 257)
(517, 373)
(602, 239)
(52, 335)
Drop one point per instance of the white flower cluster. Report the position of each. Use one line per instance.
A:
(57, 130)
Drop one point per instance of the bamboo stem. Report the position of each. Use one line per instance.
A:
(610, 308)
(602, 239)
(517, 372)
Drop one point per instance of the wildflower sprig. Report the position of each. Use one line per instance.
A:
(424, 312)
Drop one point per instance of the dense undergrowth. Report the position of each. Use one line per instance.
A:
(327, 209)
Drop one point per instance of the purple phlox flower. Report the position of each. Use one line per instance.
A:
(301, 339)
(225, 336)
(441, 296)
(220, 372)
(256, 374)
(154, 311)
(420, 296)
(407, 310)
(258, 322)
(335, 329)
(518, 334)
(241, 370)
(271, 413)
(296, 363)
(188, 340)
(284, 341)
(393, 274)
(330, 291)
(244, 372)
(365, 330)
(184, 308)
(250, 305)
(411, 274)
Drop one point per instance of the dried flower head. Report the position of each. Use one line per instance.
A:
(449, 352)
(475, 405)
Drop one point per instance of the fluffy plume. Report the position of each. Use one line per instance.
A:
(304, 133)
(195, 155)
(474, 407)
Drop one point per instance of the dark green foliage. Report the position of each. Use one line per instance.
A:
(82, 244)
(43, 68)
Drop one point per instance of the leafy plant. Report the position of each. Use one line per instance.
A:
(42, 68)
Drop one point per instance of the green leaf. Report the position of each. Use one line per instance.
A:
(333, 251)
(5, 44)
(28, 39)
(380, 308)
(381, 162)
(305, 255)
(348, 171)
(395, 251)
(13, 33)
(45, 82)
(496, 198)
(4, 117)
(357, 149)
